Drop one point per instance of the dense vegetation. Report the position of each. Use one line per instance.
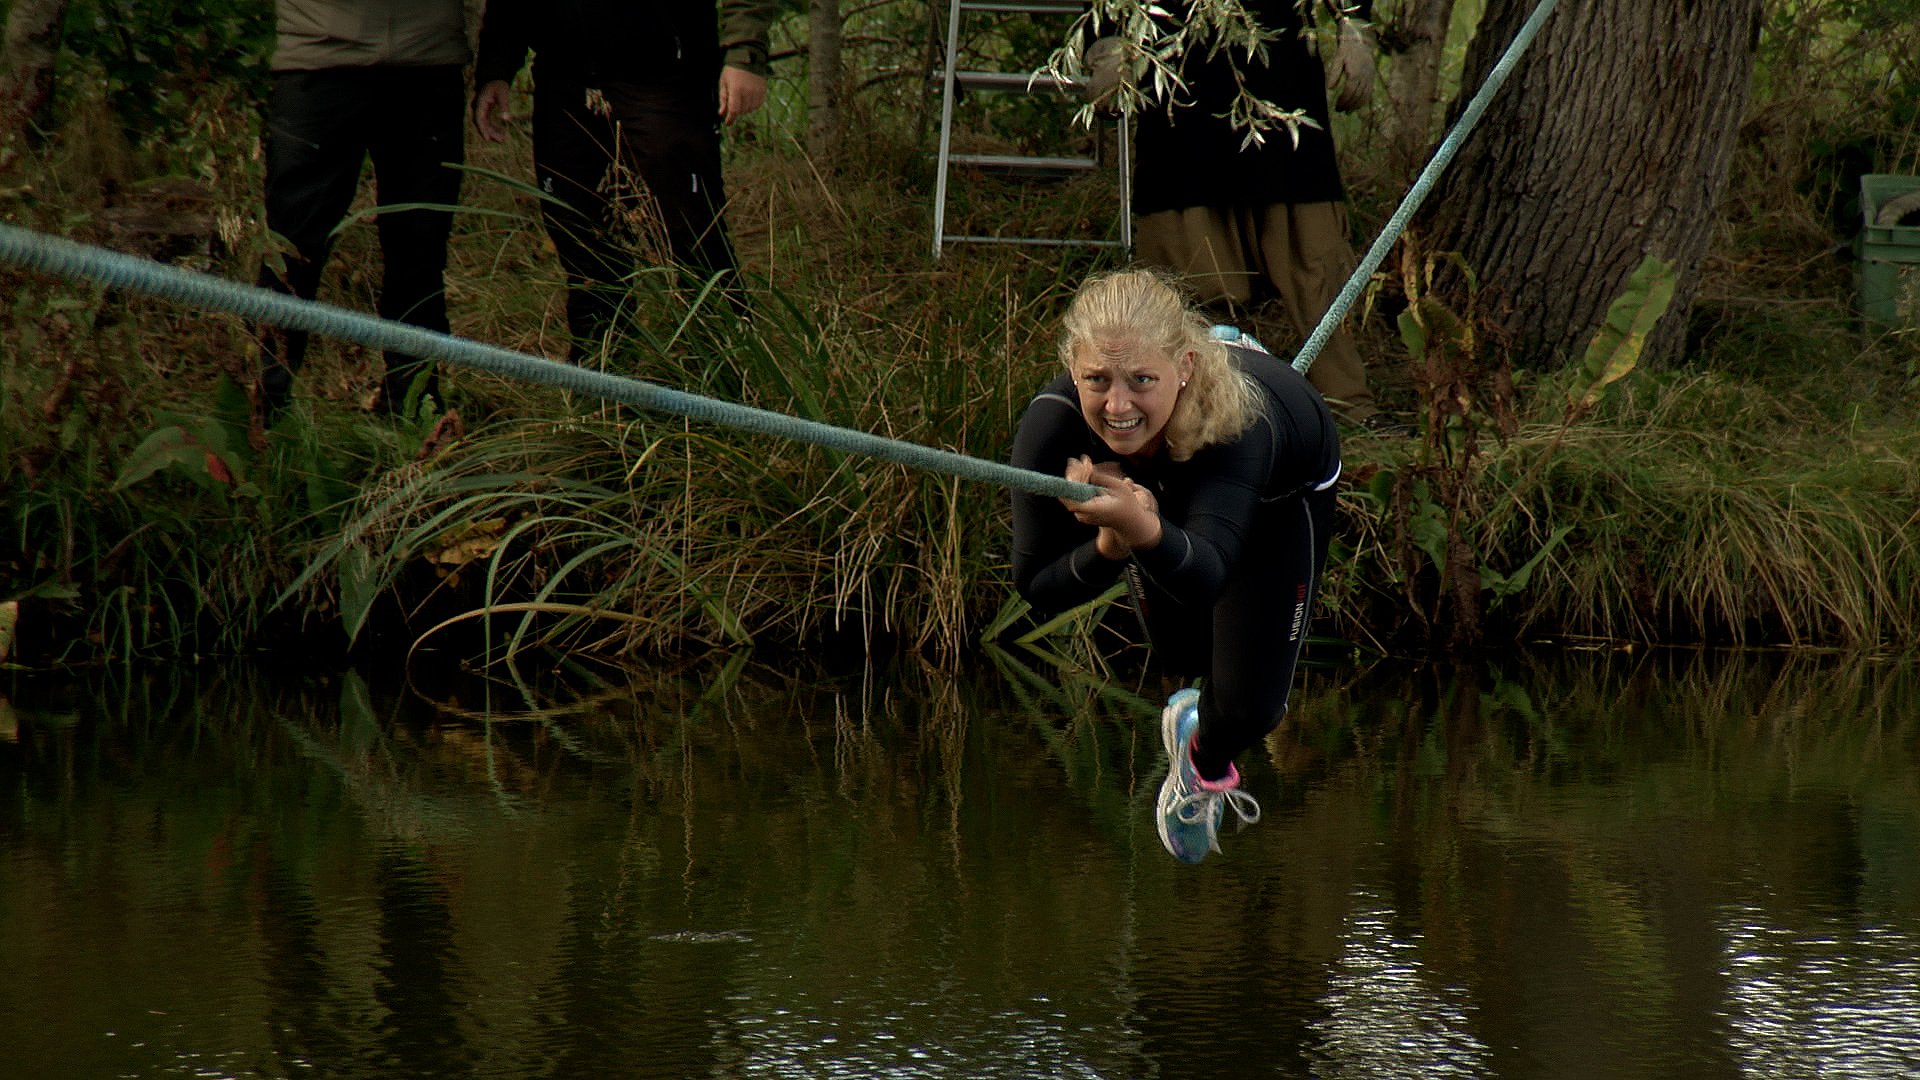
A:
(1762, 488)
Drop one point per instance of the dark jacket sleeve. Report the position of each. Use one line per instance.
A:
(505, 37)
(743, 35)
(1055, 562)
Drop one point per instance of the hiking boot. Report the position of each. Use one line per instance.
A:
(1190, 808)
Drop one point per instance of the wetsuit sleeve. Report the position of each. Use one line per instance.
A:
(505, 38)
(1196, 555)
(743, 35)
(1055, 563)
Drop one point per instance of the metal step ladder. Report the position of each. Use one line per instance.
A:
(953, 81)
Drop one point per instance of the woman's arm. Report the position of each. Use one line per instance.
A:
(1056, 559)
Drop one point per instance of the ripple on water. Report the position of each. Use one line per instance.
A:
(1384, 1016)
(1837, 1002)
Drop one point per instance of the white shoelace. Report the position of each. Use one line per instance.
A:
(1195, 807)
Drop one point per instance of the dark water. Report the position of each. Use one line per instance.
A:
(1571, 866)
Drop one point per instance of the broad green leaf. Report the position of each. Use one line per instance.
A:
(1428, 527)
(1380, 488)
(1505, 585)
(232, 413)
(168, 446)
(1413, 335)
(1617, 345)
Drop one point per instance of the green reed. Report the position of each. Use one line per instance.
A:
(1761, 490)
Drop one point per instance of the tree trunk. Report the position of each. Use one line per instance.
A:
(26, 66)
(1610, 142)
(826, 124)
(1416, 38)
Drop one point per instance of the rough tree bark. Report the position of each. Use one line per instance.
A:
(1416, 37)
(825, 122)
(1610, 142)
(26, 66)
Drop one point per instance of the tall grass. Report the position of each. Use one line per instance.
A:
(1697, 508)
(1763, 490)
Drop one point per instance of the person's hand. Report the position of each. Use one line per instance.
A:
(492, 110)
(1126, 514)
(741, 92)
(1351, 75)
(1106, 68)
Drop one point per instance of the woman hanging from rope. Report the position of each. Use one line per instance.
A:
(1216, 464)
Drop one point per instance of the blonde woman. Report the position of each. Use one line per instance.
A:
(1216, 464)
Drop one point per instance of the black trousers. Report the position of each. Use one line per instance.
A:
(666, 188)
(321, 128)
(1248, 644)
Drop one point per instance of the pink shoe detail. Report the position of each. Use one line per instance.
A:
(1225, 783)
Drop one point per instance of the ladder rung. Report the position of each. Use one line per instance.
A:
(1021, 163)
(1026, 7)
(1035, 241)
(1017, 166)
(1016, 81)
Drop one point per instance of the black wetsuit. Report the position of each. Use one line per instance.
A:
(1228, 591)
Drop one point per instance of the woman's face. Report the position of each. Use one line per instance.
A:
(1127, 392)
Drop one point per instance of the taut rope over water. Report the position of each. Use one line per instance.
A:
(1417, 194)
(82, 262)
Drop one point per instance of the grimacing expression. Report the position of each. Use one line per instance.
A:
(1127, 391)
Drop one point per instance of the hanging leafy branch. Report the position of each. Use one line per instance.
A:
(1129, 54)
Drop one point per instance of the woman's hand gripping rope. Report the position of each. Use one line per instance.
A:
(1127, 515)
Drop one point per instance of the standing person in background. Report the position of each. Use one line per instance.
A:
(1242, 223)
(1216, 466)
(639, 84)
(353, 80)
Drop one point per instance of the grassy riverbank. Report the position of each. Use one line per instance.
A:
(1761, 489)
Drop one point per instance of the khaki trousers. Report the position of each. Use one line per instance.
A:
(1300, 252)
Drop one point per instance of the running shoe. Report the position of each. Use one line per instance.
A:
(1190, 808)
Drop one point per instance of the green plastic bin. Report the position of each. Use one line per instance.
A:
(1887, 257)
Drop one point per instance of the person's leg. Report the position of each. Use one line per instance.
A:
(670, 141)
(1179, 639)
(314, 143)
(413, 148)
(573, 147)
(1259, 628)
(1305, 256)
(1205, 247)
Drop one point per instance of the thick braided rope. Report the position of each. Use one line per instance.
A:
(74, 261)
(82, 262)
(1421, 186)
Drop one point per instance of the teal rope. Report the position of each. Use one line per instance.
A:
(1421, 186)
(81, 262)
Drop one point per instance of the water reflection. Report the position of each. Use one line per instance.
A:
(1384, 1015)
(1575, 866)
(1836, 1000)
